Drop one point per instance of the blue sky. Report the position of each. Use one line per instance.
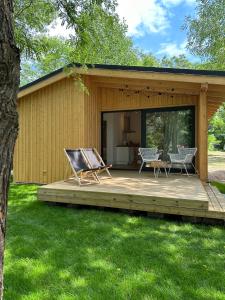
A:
(153, 25)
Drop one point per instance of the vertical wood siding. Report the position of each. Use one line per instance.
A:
(50, 119)
(113, 99)
(92, 116)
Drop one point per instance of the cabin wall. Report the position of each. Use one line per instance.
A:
(50, 119)
(92, 116)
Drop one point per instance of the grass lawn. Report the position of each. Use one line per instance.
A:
(220, 186)
(54, 252)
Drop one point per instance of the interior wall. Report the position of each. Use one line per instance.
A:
(135, 120)
(115, 125)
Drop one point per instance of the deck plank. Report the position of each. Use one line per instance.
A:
(179, 195)
(214, 203)
(218, 198)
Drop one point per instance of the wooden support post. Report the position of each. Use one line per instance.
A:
(203, 133)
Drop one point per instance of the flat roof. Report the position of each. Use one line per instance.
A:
(128, 68)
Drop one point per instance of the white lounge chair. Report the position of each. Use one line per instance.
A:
(148, 155)
(183, 158)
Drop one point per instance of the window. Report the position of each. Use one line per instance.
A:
(166, 129)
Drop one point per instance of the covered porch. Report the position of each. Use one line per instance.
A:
(141, 103)
(176, 195)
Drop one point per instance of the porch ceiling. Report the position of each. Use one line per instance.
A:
(215, 93)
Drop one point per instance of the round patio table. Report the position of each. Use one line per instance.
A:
(158, 165)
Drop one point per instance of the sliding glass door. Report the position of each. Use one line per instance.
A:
(167, 128)
(125, 131)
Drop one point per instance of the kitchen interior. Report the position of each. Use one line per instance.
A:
(121, 138)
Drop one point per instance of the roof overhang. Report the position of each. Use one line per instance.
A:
(214, 78)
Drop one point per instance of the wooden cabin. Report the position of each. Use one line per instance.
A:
(124, 108)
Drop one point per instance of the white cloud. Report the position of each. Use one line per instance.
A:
(57, 29)
(151, 16)
(143, 16)
(172, 49)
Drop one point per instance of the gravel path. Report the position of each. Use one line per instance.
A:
(217, 176)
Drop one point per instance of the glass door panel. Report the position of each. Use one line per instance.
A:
(121, 138)
(165, 129)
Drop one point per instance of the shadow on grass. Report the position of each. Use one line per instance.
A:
(54, 252)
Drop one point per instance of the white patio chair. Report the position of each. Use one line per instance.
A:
(183, 158)
(148, 155)
(184, 150)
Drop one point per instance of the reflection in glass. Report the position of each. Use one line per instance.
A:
(167, 129)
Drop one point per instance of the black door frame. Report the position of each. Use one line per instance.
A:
(164, 109)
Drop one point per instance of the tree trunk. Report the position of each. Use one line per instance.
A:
(9, 84)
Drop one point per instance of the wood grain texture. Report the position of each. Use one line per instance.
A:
(203, 135)
(51, 119)
(114, 99)
(128, 190)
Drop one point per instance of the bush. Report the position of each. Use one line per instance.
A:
(212, 141)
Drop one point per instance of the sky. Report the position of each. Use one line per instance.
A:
(154, 25)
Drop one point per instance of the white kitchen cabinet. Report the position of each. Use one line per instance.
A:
(124, 155)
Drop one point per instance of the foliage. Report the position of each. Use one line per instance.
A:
(56, 55)
(217, 126)
(31, 19)
(99, 37)
(212, 141)
(148, 60)
(167, 129)
(103, 40)
(179, 61)
(206, 32)
(220, 186)
(54, 252)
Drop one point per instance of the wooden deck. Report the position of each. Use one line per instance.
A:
(177, 194)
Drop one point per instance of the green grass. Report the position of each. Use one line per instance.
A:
(60, 253)
(220, 186)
